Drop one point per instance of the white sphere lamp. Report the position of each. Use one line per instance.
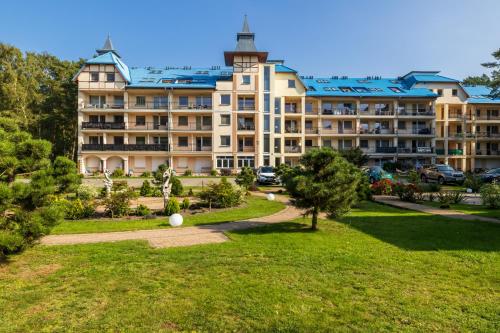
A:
(175, 220)
(270, 196)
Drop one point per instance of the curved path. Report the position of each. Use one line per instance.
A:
(184, 236)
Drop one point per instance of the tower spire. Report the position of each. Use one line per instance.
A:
(245, 39)
(245, 25)
(107, 47)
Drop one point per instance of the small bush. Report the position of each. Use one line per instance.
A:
(429, 187)
(177, 187)
(119, 185)
(146, 189)
(86, 192)
(473, 182)
(190, 192)
(382, 187)
(226, 172)
(185, 204)
(392, 167)
(118, 203)
(172, 206)
(10, 242)
(363, 190)
(142, 210)
(245, 178)
(146, 174)
(221, 195)
(490, 195)
(445, 199)
(78, 209)
(156, 192)
(213, 172)
(188, 172)
(118, 173)
(413, 177)
(457, 197)
(407, 192)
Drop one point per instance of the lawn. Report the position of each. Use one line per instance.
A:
(254, 207)
(478, 210)
(379, 269)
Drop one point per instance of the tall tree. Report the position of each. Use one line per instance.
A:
(495, 73)
(482, 80)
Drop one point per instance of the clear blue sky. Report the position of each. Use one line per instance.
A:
(336, 37)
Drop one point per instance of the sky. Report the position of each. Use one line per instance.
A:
(321, 38)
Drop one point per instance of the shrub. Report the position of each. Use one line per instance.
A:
(392, 167)
(65, 175)
(429, 187)
(172, 206)
(473, 182)
(457, 197)
(118, 173)
(245, 178)
(142, 210)
(156, 192)
(10, 242)
(407, 192)
(413, 177)
(146, 174)
(222, 195)
(118, 203)
(86, 192)
(146, 189)
(77, 209)
(490, 195)
(190, 192)
(188, 172)
(185, 204)
(213, 172)
(226, 172)
(119, 185)
(363, 190)
(444, 199)
(177, 187)
(382, 187)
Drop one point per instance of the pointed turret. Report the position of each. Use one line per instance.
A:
(245, 45)
(107, 47)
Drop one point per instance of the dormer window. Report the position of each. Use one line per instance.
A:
(245, 79)
(110, 77)
(454, 92)
(291, 83)
(94, 76)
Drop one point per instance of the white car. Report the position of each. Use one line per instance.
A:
(266, 175)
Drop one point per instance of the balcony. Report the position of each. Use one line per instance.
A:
(202, 106)
(190, 127)
(102, 106)
(345, 111)
(440, 151)
(416, 131)
(292, 130)
(376, 131)
(455, 152)
(246, 149)
(126, 147)
(487, 152)
(246, 127)
(385, 150)
(331, 130)
(376, 112)
(487, 135)
(311, 130)
(308, 148)
(292, 149)
(149, 106)
(148, 126)
(189, 147)
(102, 125)
(416, 150)
(461, 135)
(416, 112)
(489, 117)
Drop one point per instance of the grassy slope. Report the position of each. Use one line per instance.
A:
(381, 269)
(470, 209)
(255, 207)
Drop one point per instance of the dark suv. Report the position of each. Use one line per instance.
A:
(441, 173)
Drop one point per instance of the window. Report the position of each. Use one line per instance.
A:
(348, 125)
(267, 123)
(140, 120)
(277, 125)
(363, 107)
(204, 102)
(94, 76)
(327, 108)
(225, 162)
(95, 140)
(309, 107)
(183, 101)
(291, 107)
(346, 89)
(160, 140)
(245, 79)
(439, 92)
(140, 140)
(118, 140)
(140, 100)
(396, 89)
(225, 119)
(327, 143)
(267, 143)
(110, 77)
(97, 101)
(401, 124)
(363, 143)
(454, 92)
(267, 78)
(247, 161)
(182, 141)
(361, 89)
(118, 101)
(207, 121)
(182, 121)
(225, 140)
(291, 83)
(267, 103)
(277, 105)
(277, 145)
(225, 99)
(246, 103)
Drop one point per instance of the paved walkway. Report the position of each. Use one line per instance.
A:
(184, 236)
(394, 201)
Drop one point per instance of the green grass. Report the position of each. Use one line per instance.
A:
(254, 207)
(478, 210)
(379, 269)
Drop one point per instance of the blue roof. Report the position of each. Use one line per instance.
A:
(182, 77)
(279, 68)
(363, 87)
(480, 95)
(111, 58)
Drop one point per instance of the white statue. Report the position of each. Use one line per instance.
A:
(167, 185)
(108, 182)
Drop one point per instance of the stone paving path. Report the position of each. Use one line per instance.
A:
(394, 201)
(184, 236)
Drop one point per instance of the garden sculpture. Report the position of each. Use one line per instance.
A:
(108, 182)
(167, 185)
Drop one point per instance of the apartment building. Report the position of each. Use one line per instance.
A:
(255, 111)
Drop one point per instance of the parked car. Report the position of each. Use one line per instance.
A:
(266, 175)
(376, 173)
(490, 175)
(441, 173)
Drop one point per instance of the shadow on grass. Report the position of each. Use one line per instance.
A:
(428, 233)
(282, 227)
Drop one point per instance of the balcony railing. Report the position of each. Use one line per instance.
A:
(103, 106)
(488, 152)
(191, 106)
(455, 152)
(386, 150)
(416, 131)
(339, 111)
(376, 112)
(102, 125)
(190, 147)
(149, 105)
(126, 147)
(148, 126)
(190, 127)
(246, 107)
(439, 151)
(377, 131)
(415, 112)
(292, 149)
(461, 135)
(332, 130)
(416, 150)
(292, 129)
(487, 135)
(488, 117)
(246, 127)
(246, 149)
(308, 148)
(311, 130)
